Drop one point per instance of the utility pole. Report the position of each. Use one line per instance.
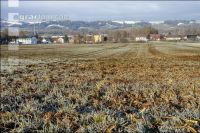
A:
(34, 28)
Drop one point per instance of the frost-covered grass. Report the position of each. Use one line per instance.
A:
(126, 91)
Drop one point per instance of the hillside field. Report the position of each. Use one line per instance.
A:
(87, 88)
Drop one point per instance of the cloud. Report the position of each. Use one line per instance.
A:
(111, 10)
(154, 6)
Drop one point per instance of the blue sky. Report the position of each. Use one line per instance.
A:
(109, 10)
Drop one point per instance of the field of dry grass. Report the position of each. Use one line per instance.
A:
(147, 87)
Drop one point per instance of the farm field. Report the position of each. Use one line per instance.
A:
(124, 87)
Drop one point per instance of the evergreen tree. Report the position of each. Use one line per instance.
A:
(66, 39)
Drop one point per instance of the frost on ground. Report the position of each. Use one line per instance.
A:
(14, 63)
(102, 88)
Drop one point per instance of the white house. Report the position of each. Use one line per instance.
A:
(30, 40)
(23, 40)
(198, 37)
(141, 39)
(44, 40)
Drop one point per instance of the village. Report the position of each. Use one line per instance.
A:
(100, 38)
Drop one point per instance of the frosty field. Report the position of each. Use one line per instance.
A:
(129, 87)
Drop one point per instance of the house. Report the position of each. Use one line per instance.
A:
(192, 37)
(46, 40)
(184, 37)
(89, 39)
(141, 39)
(78, 39)
(23, 40)
(198, 38)
(58, 39)
(98, 38)
(173, 38)
(28, 40)
(71, 39)
(155, 37)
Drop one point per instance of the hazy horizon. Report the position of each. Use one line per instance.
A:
(109, 10)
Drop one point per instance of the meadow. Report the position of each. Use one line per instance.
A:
(124, 87)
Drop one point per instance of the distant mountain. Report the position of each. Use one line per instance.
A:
(58, 26)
